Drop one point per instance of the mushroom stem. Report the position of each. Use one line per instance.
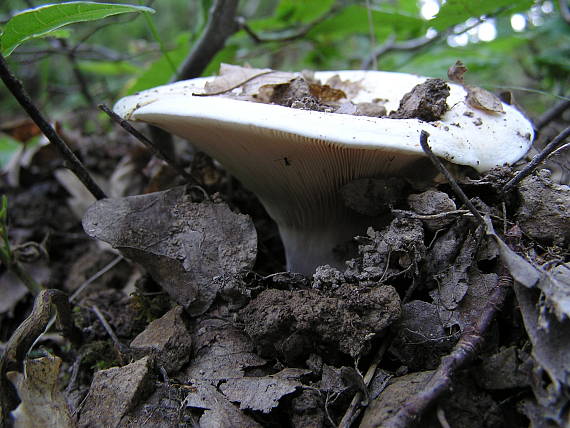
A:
(322, 244)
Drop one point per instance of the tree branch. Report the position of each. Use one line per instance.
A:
(73, 163)
(221, 25)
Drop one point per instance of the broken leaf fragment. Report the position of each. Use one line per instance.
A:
(181, 243)
(42, 402)
(456, 71)
(481, 99)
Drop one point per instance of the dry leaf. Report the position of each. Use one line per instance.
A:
(43, 404)
(325, 93)
(249, 80)
(456, 71)
(482, 99)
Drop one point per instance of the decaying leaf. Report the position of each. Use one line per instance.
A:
(325, 93)
(42, 402)
(393, 398)
(182, 244)
(247, 80)
(456, 71)
(481, 99)
(219, 412)
(114, 392)
(258, 393)
(221, 351)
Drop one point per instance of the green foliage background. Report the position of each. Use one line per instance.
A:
(120, 55)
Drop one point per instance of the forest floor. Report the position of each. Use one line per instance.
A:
(425, 316)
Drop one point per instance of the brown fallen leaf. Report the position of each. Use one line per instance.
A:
(456, 71)
(43, 404)
(249, 80)
(325, 93)
(482, 99)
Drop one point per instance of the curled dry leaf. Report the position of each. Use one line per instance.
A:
(482, 99)
(456, 71)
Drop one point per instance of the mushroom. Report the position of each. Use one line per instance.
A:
(296, 161)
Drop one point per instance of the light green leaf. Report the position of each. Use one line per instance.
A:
(8, 149)
(160, 71)
(455, 12)
(108, 68)
(33, 23)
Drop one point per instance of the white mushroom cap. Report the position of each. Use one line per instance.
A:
(297, 160)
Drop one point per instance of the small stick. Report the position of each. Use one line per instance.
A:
(157, 151)
(414, 215)
(119, 347)
(73, 163)
(353, 410)
(550, 147)
(97, 275)
(456, 189)
(224, 91)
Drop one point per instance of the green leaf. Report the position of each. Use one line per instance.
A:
(455, 12)
(302, 11)
(354, 20)
(8, 149)
(160, 71)
(108, 68)
(33, 23)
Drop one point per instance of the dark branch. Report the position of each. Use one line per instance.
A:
(550, 147)
(221, 25)
(73, 163)
(391, 45)
(298, 34)
(456, 189)
(156, 150)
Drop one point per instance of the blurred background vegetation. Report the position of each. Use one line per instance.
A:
(522, 46)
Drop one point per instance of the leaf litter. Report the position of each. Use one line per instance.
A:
(258, 347)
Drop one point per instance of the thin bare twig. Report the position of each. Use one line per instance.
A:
(224, 91)
(454, 186)
(463, 352)
(118, 345)
(97, 275)
(392, 45)
(83, 87)
(550, 148)
(299, 33)
(73, 163)
(156, 150)
(444, 214)
(354, 408)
